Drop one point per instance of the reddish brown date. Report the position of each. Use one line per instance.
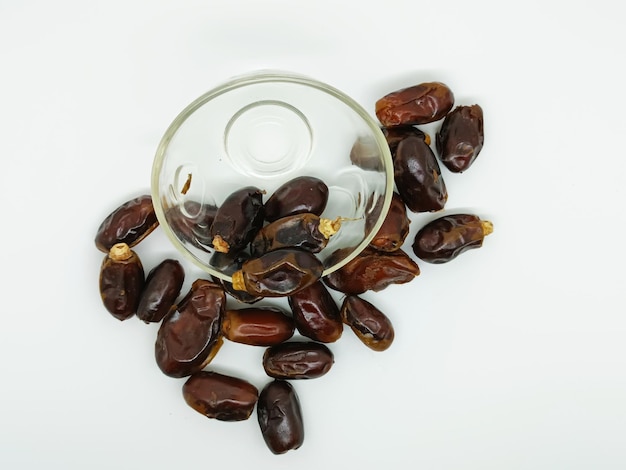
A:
(307, 231)
(418, 176)
(395, 135)
(395, 228)
(296, 196)
(229, 263)
(192, 222)
(280, 417)
(369, 324)
(121, 281)
(278, 273)
(191, 333)
(373, 270)
(297, 360)
(263, 326)
(129, 223)
(419, 104)
(159, 294)
(219, 396)
(447, 237)
(238, 219)
(316, 314)
(461, 137)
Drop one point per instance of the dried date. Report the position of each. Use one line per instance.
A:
(316, 314)
(370, 325)
(280, 417)
(461, 137)
(229, 263)
(129, 223)
(394, 229)
(447, 237)
(419, 104)
(373, 270)
(397, 134)
(263, 326)
(219, 396)
(121, 281)
(162, 286)
(297, 360)
(418, 176)
(191, 333)
(296, 196)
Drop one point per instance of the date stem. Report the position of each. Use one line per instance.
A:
(328, 227)
(120, 252)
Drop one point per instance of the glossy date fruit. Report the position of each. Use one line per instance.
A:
(447, 237)
(229, 263)
(419, 104)
(129, 223)
(121, 281)
(161, 289)
(373, 270)
(461, 137)
(316, 314)
(395, 228)
(191, 333)
(370, 325)
(238, 219)
(395, 135)
(307, 231)
(278, 273)
(262, 326)
(280, 417)
(220, 396)
(418, 176)
(297, 360)
(296, 196)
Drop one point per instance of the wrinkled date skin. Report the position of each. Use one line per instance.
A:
(369, 324)
(159, 294)
(418, 176)
(395, 228)
(278, 273)
(316, 314)
(306, 231)
(461, 137)
(192, 223)
(238, 219)
(447, 237)
(121, 281)
(280, 417)
(419, 104)
(297, 360)
(219, 396)
(395, 135)
(373, 270)
(296, 196)
(129, 223)
(191, 333)
(263, 326)
(229, 263)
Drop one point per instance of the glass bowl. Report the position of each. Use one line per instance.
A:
(264, 129)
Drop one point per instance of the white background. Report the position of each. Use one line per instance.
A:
(511, 357)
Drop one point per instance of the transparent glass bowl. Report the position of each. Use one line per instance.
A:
(264, 129)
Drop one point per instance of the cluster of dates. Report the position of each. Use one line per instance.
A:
(269, 249)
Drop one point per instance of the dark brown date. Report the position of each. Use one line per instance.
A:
(238, 219)
(447, 237)
(263, 326)
(121, 281)
(280, 417)
(395, 135)
(229, 263)
(306, 230)
(373, 270)
(219, 396)
(159, 294)
(461, 137)
(278, 273)
(129, 223)
(316, 314)
(369, 324)
(191, 333)
(191, 223)
(418, 176)
(395, 228)
(419, 104)
(296, 196)
(297, 360)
